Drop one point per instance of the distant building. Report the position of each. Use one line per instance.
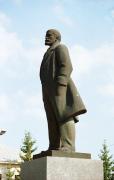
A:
(9, 159)
(13, 166)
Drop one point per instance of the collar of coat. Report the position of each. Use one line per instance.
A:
(50, 49)
(53, 46)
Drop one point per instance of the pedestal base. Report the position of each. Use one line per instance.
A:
(62, 168)
(68, 154)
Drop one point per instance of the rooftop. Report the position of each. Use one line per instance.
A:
(8, 154)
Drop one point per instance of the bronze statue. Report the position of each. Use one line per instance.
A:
(61, 99)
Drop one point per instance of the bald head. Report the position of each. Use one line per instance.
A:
(56, 33)
(52, 35)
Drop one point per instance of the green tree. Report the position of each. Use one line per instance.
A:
(112, 173)
(17, 177)
(27, 148)
(9, 174)
(108, 162)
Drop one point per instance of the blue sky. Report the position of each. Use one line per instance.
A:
(87, 28)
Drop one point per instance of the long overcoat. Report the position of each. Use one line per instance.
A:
(55, 72)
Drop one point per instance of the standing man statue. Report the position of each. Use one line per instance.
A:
(61, 99)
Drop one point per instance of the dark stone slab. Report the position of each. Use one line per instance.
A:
(55, 153)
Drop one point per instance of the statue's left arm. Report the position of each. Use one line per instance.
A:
(64, 67)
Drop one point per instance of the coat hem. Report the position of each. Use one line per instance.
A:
(73, 115)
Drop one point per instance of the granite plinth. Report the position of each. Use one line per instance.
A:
(62, 168)
(55, 153)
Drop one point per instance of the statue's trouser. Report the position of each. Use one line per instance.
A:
(67, 131)
(61, 136)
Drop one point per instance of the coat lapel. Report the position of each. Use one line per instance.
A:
(50, 49)
(47, 55)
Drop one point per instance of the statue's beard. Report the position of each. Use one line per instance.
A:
(48, 43)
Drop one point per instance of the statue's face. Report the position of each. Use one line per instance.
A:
(50, 38)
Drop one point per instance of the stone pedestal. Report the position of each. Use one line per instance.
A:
(55, 153)
(62, 168)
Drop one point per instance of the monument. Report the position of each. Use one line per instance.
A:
(61, 99)
(63, 105)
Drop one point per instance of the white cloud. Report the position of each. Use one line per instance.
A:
(34, 55)
(62, 16)
(58, 9)
(17, 63)
(81, 58)
(33, 106)
(4, 103)
(104, 54)
(14, 57)
(107, 90)
(97, 67)
(21, 105)
(85, 60)
(17, 2)
(112, 13)
(10, 45)
(67, 21)
(10, 108)
(20, 61)
(7, 109)
(4, 20)
(33, 101)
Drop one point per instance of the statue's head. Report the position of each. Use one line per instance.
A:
(52, 35)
